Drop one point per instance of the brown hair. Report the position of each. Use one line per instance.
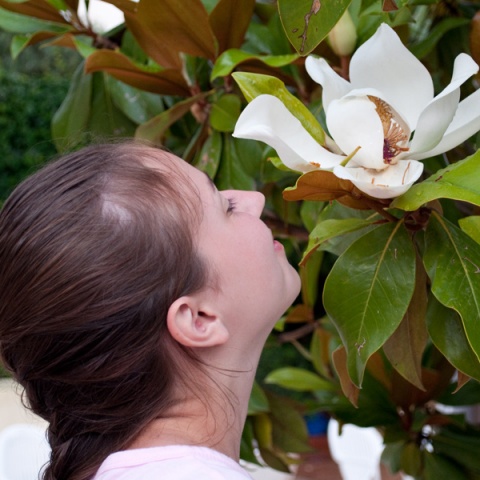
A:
(94, 248)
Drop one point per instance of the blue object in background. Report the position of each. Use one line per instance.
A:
(317, 424)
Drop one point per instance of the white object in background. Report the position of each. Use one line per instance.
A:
(24, 450)
(356, 450)
(265, 473)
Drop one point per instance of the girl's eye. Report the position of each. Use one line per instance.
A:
(231, 205)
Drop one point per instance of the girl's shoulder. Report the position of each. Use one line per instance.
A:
(176, 462)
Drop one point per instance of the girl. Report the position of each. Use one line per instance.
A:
(135, 300)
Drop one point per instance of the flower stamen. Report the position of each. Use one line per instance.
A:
(394, 135)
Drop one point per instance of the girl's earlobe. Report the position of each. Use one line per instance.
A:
(193, 326)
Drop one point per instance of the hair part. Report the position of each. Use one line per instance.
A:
(94, 248)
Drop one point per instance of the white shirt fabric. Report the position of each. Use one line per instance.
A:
(176, 462)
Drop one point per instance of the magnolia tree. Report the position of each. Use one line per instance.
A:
(347, 115)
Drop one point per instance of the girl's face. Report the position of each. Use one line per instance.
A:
(254, 282)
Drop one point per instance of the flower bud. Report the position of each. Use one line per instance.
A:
(343, 37)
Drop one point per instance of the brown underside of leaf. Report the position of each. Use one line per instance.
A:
(349, 389)
(404, 349)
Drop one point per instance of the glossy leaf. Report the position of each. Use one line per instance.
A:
(308, 22)
(309, 273)
(471, 226)
(475, 37)
(289, 430)
(210, 154)
(258, 402)
(229, 21)
(404, 349)
(438, 466)
(13, 22)
(298, 379)
(40, 9)
(138, 105)
(458, 181)
(459, 445)
(232, 173)
(224, 113)
(448, 334)
(327, 229)
(20, 42)
(337, 211)
(320, 351)
(368, 291)
(230, 59)
(253, 85)
(423, 48)
(452, 261)
(106, 120)
(155, 128)
(166, 28)
(165, 82)
(71, 119)
(411, 459)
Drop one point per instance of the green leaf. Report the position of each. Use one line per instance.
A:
(404, 349)
(209, 158)
(232, 174)
(328, 229)
(368, 292)
(253, 85)
(459, 181)
(58, 4)
(105, 119)
(155, 128)
(439, 466)
(258, 402)
(230, 59)
(471, 226)
(289, 430)
(411, 459)
(424, 47)
(459, 445)
(225, 112)
(298, 379)
(71, 119)
(16, 23)
(308, 22)
(139, 106)
(452, 261)
(448, 335)
(310, 275)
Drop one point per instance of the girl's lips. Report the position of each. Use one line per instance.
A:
(278, 247)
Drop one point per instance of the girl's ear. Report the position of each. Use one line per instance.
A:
(193, 326)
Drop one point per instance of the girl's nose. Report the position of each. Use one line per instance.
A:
(248, 202)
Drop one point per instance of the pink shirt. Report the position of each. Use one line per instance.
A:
(174, 462)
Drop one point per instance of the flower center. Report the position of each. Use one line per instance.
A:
(395, 139)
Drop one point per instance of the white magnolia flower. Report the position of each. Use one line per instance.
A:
(371, 118)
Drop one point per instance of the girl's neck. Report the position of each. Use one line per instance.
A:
(213, 420)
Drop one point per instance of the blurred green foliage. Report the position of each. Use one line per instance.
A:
(31, 89)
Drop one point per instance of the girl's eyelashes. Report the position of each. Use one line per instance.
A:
(231, 205)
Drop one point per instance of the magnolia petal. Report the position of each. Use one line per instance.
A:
(267, 119)
(465, 123)
(384, 63)
(388, 183)
(353, 122)
(334, 86)
(438, 114)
